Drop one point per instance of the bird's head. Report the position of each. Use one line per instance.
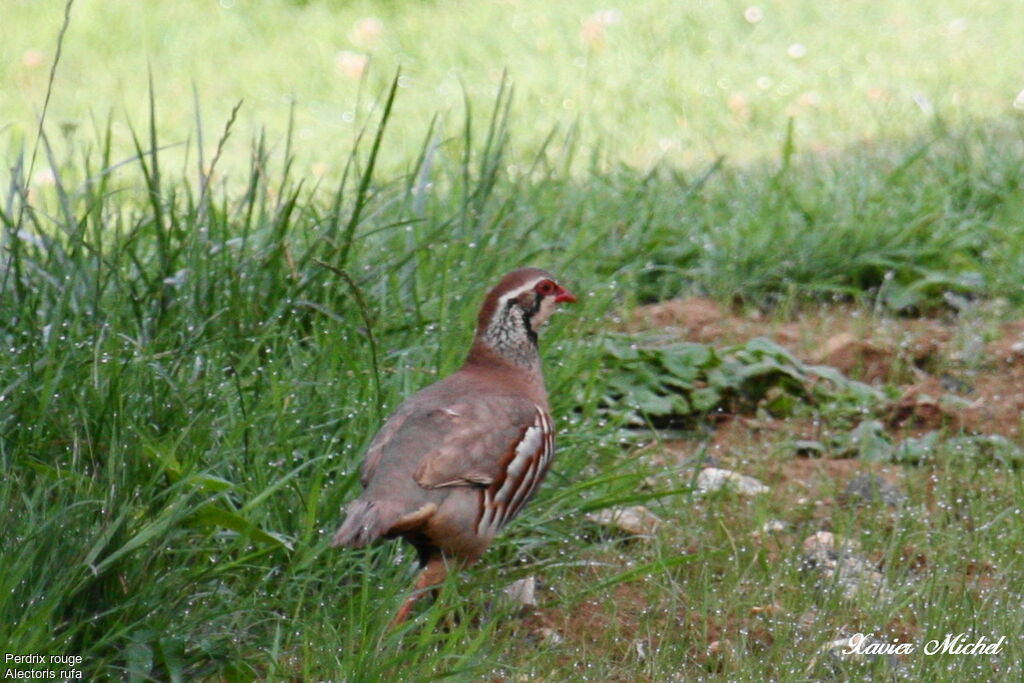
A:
(516, 309)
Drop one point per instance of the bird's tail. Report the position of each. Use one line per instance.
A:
(366, 521)
(362, 525)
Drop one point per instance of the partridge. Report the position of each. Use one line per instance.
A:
(459, 459)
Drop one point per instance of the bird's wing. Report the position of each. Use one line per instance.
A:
(461, 443)
(481, 439)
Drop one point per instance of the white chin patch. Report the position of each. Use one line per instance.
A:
(547, 307)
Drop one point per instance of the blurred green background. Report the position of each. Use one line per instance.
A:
(644, 81)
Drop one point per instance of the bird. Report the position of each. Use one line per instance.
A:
(456, 461)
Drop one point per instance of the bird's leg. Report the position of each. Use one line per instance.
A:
(432, 575)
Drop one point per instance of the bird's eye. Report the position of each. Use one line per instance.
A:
(545, 288)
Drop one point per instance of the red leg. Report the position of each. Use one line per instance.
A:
(432, 575)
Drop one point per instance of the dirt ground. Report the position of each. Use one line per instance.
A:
(948, 374)
(944, 374)
(961, 374)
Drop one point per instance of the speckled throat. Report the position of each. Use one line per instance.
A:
(510, 335)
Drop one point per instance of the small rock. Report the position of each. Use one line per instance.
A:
(636, 520)
(773, 526)
(523, 591)
(819, 544)
(713, 479)
(550, 636)
(837, 563)
(871, 488)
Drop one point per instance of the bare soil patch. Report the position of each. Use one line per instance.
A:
(946, 374)
(959, 375)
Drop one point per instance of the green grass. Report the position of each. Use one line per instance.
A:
(188, 388)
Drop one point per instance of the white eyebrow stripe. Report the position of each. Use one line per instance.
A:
(505, 298)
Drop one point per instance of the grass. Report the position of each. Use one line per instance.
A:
(196, 360)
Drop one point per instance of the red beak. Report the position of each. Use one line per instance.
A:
(565, 296)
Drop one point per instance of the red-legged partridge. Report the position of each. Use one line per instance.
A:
(459, 459)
